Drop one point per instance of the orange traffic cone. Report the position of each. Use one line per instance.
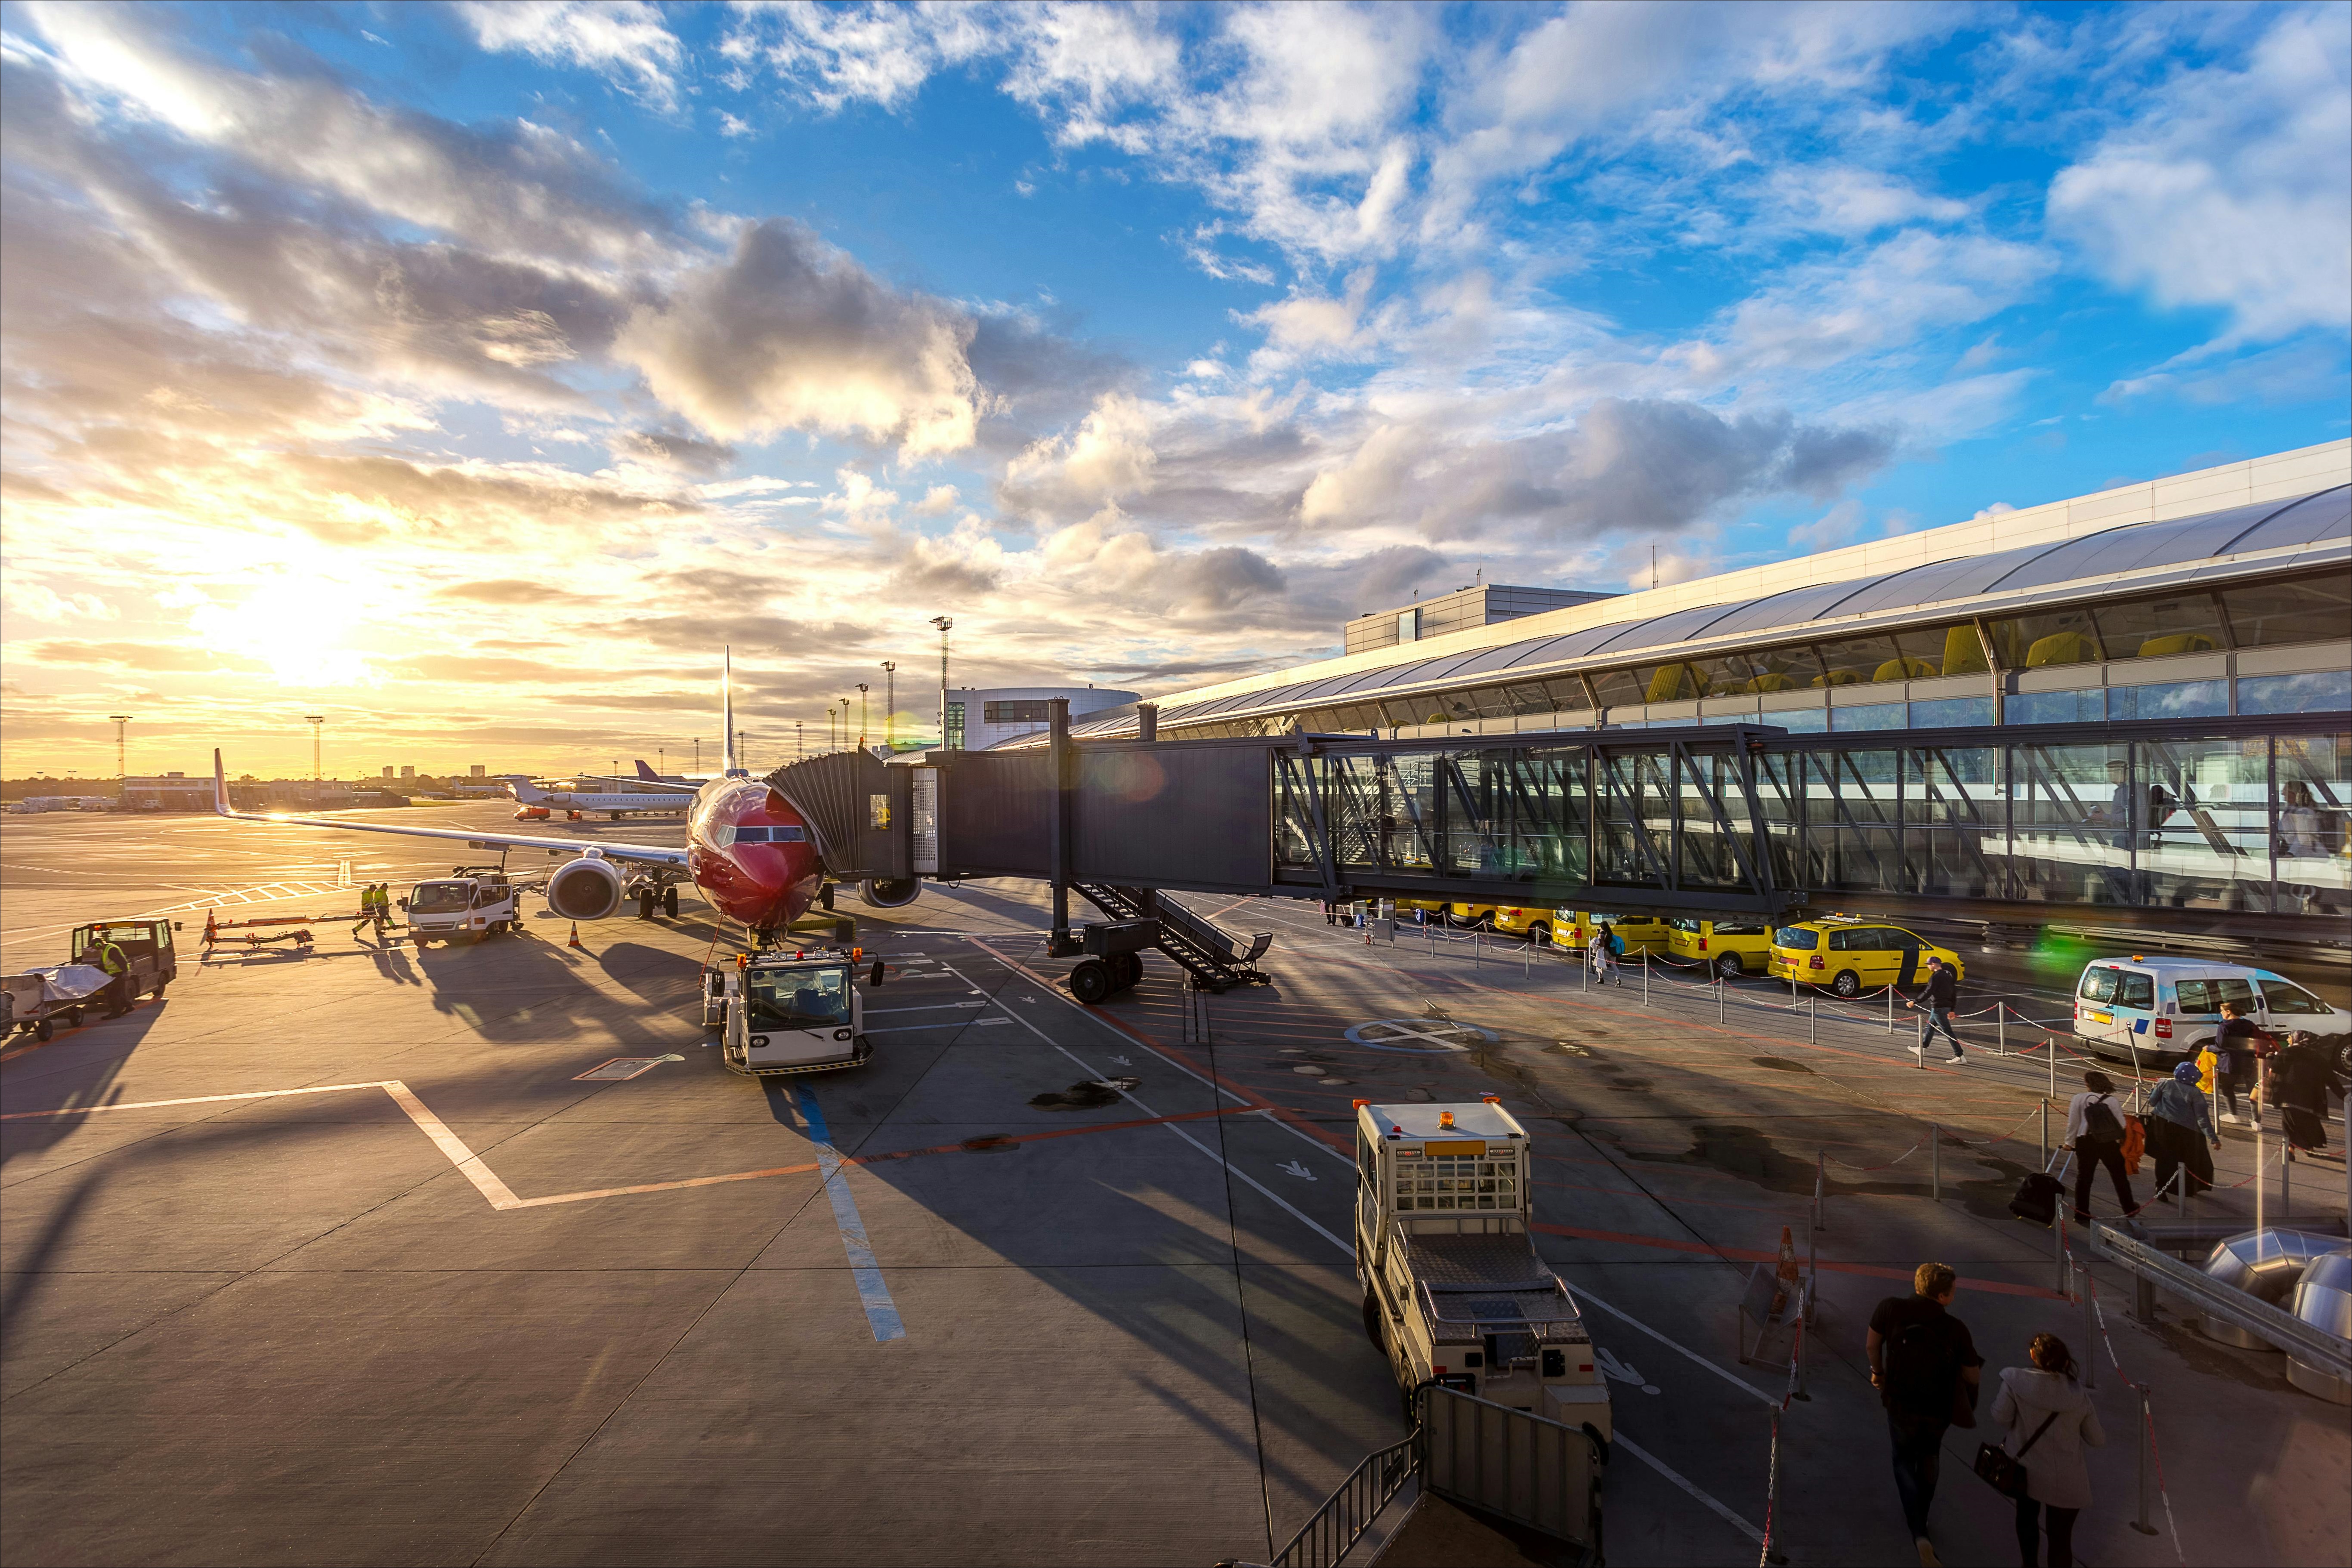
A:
(575, 935)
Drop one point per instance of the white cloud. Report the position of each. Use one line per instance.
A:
(2233, 188)
(936, 502)
(1842, 199)
(624, 41)
(38, 602)
(1109, 455)
(874, 53)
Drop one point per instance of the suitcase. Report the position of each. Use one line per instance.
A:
(2037, 1196)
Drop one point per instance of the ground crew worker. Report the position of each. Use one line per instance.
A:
(108, 957)
(368, 914)
(382, 907)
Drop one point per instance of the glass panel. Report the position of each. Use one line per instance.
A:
(1800, 720)
(2317, 609)
(2201, 828)
(2177, 699)
(2325, 691)
(1848, 796)
(1633, 824)
(1876, 715)
(2099, 984)
(2134, 989)
(1616, 688)
(1963, 651)
(1516, 815)
(2057, 637)
(2088, 706)
(1955, 844)
(2071, 807)
(2281, 999)
(1859, 659)
(1733, 675)
(2150, 628)
(1923, 649)
(2313, 826)
(1667, 683)
(1777, 784)
(1710, 783)
(1951, 712)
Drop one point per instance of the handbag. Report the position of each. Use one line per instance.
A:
(2004, 1471)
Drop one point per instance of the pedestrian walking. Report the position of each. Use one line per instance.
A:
(2237, 1050)
(1926, 1369)
(2304, 1074)
(2048, 1421)
(1942, 998)
(367, 910)
(2094, 1131)
(2180, 1128)
(1604, 948)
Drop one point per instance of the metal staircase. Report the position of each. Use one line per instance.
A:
(1214, 958)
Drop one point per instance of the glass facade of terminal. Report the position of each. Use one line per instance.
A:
(2247, 823)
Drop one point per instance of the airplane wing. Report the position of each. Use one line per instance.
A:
(637, 854)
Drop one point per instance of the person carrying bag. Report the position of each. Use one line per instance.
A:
(2049, 1421)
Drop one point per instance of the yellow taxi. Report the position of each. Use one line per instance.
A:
(1730, 948)
(1544, 927)
(1640, 933)
(1406, 906)
(1851, 956)
(1468, 913)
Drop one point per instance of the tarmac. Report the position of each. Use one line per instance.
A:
(336, 1256)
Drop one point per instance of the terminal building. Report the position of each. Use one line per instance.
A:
(2128, 708)
(981, 719)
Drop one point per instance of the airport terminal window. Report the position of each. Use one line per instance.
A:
(2152, 627)
(1951, 712)
(1671, 683)
(1023, 711)
(2088, 706)
(2324, 691)
(2174, 699)
(1875, 716)
(2316, 609)
(2058, 637)
(1854, 659)
(1615, 688)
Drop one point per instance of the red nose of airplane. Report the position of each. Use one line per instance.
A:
(754, 858)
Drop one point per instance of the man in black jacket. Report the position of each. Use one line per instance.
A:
(1926, 1369)
(1943, 996)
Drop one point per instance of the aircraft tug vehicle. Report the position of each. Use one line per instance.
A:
(793, 1011)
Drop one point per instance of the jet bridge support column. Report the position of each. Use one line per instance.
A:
(1063, 768)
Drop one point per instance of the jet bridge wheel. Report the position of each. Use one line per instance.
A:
(1090, 982)
(1126, 969)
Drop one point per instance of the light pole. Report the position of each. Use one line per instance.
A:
(698, 754)
(118, 720)
(945, 626)
(889, 706)
(845, 723)
(314, 720)
(800, 741)
(865, 727)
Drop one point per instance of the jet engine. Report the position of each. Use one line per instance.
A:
(584, 889)
(889, 892)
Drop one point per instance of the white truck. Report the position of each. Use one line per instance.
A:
(781, 1012)
(1454, 1292)
(470, 903)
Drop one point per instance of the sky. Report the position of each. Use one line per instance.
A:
(470, 374)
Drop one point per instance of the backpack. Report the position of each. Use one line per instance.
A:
(2100, 1123)
(1920, 1367)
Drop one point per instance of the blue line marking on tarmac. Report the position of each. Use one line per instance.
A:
(881, 1311)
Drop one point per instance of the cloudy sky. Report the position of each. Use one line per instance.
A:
(469, 373)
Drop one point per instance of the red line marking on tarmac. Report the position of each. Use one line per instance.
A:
(1754, 1255)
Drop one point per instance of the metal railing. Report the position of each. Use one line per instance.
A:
(2232, 1306)
(1512, 1464)
(1327, 1537)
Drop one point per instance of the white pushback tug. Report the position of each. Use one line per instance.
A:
(796, 1010)
(1454, 1291)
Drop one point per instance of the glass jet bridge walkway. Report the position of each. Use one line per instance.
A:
(2238, 827)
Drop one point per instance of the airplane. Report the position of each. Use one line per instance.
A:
(748, 850)
(538, 804)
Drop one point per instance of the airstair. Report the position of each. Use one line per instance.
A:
(1215, 957)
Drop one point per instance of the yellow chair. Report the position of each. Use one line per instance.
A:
(2182, 643)
(1670, 685)
(1963, 654)
(1835, 678)
(1900, 669)
(2062, 648)
(1769, 683)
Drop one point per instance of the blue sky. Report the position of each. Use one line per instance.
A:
(1148, 342)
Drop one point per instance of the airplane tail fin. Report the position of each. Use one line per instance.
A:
(220, 786)
(727, 762)
(645, 772)
(525, 791)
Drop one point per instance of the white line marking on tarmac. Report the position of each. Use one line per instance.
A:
(1742, 1384)
(1622, 1441)
(934, 1008)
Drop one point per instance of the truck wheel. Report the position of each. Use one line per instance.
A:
(1372, 1324)
(1848, 984)
(1729, 967)
(158, 992)
(1090, 982)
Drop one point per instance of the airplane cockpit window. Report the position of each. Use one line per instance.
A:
(798, 999)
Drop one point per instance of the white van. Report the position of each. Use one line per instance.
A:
(2157, 1011)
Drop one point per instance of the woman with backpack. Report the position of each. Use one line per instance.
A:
(2048, 1422)
(2094, 1131)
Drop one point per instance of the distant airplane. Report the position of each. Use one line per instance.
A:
(747, 849)
(538, 804)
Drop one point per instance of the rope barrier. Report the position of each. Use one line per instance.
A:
(2099, 1317)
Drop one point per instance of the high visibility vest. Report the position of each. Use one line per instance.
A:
(378, 899)
(109, 958)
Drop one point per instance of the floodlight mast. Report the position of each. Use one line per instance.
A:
(945, 626)
(318, 769)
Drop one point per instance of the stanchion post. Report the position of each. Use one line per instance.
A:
(2050, 1044)
(2045, 1134)
(2286, 1206)
(1922, 1032)
(1935, 1162)
(1890, 1007)
(2001, 1029)
(2142, 1523)
(1809, 1018)
(1821, 1188)
(1646, 977)
(2090, 1331)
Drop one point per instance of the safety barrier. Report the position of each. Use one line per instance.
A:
(1335, 1528)
(2232, 1306)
